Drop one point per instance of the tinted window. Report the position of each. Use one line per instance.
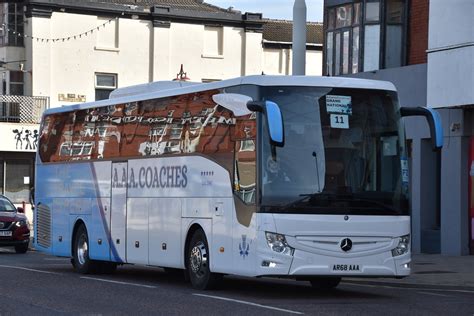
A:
(176, 125)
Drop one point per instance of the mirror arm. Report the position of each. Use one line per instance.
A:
(256, 106)
(434, 122)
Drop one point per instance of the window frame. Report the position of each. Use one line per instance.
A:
(8, 158)
(361, 24)
(98, 87)
(220, 30)
(404, 37)
(10, 38)
(341, 32)
(12, 82)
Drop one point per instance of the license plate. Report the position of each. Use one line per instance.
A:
(5, 233)
(345, 267)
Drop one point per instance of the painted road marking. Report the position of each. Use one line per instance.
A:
(27, 269)
(434, 294)
(408, 287)
(57, 259)
(249, 303)
(119, 282)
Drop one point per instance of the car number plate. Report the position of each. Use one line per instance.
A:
(5, 233)
(346, 267)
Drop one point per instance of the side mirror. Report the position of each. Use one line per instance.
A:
(274, 120)
(32, 197)
(233, 102)
(434, 122)
(20, 210)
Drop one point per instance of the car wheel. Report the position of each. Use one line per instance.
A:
(325, 283)
(23, 248)
(198, 263)
(82, 263)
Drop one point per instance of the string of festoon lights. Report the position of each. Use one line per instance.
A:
(60, 39)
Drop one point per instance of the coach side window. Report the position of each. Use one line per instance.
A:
(245, 170)
(245, 158)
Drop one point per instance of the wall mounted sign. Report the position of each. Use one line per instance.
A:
(19, 137)
(71, 97)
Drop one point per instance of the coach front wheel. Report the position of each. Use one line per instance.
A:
(81, 261)
(197, 259)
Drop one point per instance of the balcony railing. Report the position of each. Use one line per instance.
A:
(22, 109)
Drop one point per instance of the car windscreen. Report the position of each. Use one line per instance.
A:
(6, 206)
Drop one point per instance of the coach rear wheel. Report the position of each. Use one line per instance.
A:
(325, 283)
(198, 263)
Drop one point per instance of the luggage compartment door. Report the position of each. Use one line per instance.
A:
(118, 212)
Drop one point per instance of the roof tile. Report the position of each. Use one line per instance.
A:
(282, 31)
(199, 5)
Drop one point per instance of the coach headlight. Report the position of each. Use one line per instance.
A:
(277, 243)
(402, 247)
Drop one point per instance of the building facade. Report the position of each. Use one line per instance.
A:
(79, 51)
(450, 89)
(425, 48)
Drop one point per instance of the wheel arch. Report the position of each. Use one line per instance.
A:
(192, 229)
(77, 224)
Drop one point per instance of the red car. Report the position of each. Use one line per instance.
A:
(14, 229)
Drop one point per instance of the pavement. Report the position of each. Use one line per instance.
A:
(433, 271)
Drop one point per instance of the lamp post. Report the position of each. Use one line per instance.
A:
(299, 38)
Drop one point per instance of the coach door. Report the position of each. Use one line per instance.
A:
(118, 211)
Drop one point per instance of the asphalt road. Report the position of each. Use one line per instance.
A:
(37, 284)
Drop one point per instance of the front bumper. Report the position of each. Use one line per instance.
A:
(381, 264)
(307, 261)
(8, 243)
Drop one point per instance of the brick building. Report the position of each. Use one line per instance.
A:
(425, 47)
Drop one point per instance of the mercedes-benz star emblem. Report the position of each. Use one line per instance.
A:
(346, 244)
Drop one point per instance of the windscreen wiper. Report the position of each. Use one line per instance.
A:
(311, 198)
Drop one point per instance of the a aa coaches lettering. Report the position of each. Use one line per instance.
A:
(151, 177)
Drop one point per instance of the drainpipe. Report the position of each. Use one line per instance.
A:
(299, 38)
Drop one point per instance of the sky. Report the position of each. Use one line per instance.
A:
(274, 9)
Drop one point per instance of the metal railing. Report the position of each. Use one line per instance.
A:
(22, 109)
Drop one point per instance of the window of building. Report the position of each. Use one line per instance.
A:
(355, 49)
(394, 33)
(16, 83)
(344, 16)
(329, 50)
(337, 64)
(18, 177)
(107, 35)
(11, 14)
(364, 35)
(371, 47)
(104, 85)
(372, 11)
(339, 43)
(213, 41)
